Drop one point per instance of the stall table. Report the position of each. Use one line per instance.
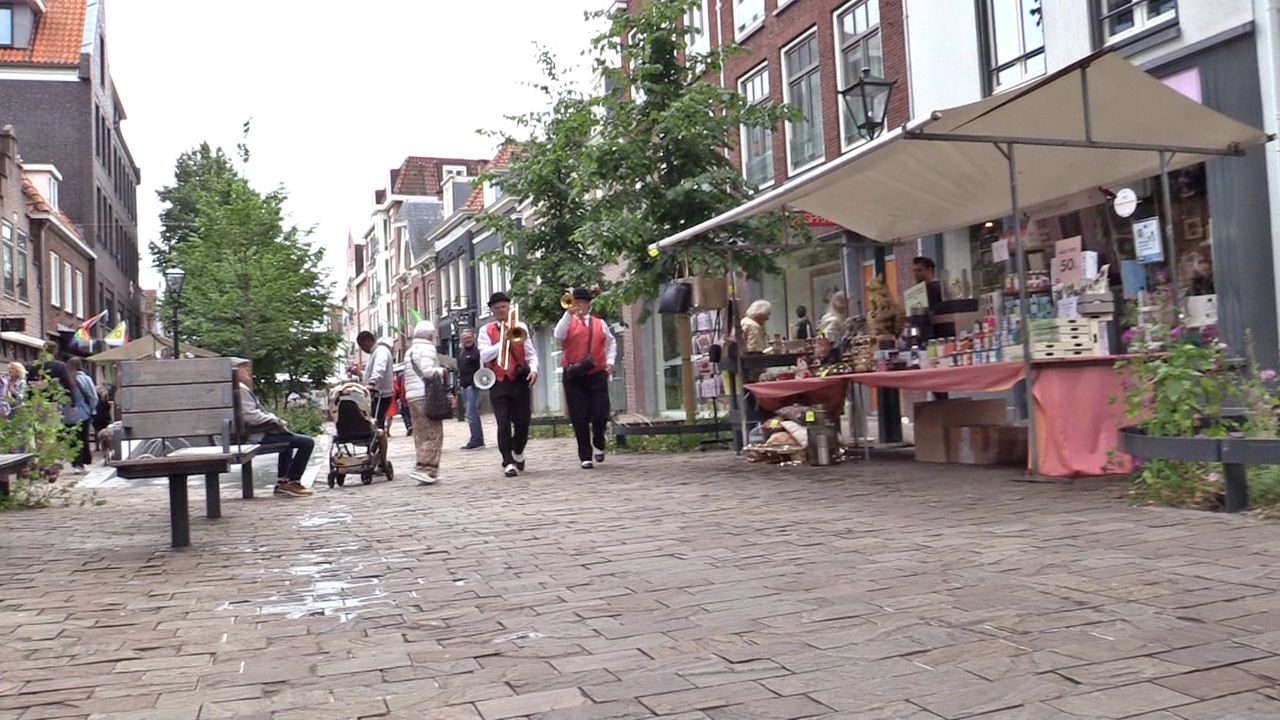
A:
(1077, 425)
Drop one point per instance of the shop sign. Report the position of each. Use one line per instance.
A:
(1067, 267)
(1146, 241)
(916, 299)
(1126, 202)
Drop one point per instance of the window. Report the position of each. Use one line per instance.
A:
(6, 26)
(67, 290)
(1015, 42)
(802, 86)
(55, 288)
(1124, 18)
(857, 47)
(6, 232)
(53, 191)
(747, 16)
(23, 262)
(79, 294)
(696, 21)
(757, 142)
(453, 171)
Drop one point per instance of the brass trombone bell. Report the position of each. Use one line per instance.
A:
(566, 301)
(518, 335)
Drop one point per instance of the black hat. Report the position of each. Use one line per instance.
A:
(498, 297)
(582, 294)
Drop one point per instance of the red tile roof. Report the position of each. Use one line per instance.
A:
(37, 204)
(58, 35)
(475, 201)
(422, 175)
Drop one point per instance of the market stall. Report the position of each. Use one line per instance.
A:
(1095, 123)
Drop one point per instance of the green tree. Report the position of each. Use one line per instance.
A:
(254, 286)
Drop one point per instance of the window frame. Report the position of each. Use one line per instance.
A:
(701, 44)
(7, 7)
(816, 68)
(79, 294)
(1148, 25)
(991, 66)
(743, 31)
(67, 296)
(55, 280)
(760, 70)
(8, 249)
(842, 81)
(22, 261)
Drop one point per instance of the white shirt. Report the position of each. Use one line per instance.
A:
(489, 349)
(610, 343)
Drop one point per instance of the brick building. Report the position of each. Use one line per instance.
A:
(19, 294)
(64, 260)
(801, 52)
(56, 90)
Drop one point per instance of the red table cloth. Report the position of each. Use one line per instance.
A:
(1076, 424)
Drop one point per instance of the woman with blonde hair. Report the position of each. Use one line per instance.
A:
(422, 367)
(15, 390)
(754, 337)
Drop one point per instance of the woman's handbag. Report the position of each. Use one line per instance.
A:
(435, 399)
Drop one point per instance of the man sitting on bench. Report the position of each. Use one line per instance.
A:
(265, 428)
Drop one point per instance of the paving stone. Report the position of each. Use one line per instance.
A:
(1122, 672)
(1209, 684)
(705, 698)
(620, 710)
(632, 686)
(532, 704)
(1244, 706)
(785, 708)
(998, 695)
(1122, 701)
(1213, 655)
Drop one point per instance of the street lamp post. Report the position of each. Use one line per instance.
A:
(173, 279)
(867, 100)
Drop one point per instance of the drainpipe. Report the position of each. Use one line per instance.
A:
(1267, 41)
(39, 252)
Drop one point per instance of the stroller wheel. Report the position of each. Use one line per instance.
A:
(342, 479)
(333, 478)
(366, 477)
(391, 473)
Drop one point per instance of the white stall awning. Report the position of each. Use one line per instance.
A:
(1100, 121)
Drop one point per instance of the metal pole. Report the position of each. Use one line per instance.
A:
(1024, 313)
(1171, 259)
(739, 394)
(175, 326)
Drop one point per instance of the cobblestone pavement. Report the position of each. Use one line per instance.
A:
(680, 586)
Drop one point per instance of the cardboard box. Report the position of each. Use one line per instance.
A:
(987, 444)
(933, 418)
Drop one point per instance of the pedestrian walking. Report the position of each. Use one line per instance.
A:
(84, 398)
(589, 351)
(512, 394)
(468, 365)
(424, 374)
(401, 405)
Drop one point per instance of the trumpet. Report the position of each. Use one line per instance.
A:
(566, 300)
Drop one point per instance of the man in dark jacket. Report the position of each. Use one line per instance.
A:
(468, 364)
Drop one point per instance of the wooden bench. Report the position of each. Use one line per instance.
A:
(165, 399)
(552, 421)
(12, 464)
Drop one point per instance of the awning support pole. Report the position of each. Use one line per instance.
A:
(739, 382)
(1170, 259)
(1084, 98)
(1024, 313)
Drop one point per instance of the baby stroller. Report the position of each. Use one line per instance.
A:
(355, 448)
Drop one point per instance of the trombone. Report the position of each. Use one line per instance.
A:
(510, 333)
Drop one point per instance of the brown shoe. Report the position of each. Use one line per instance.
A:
(292, 489)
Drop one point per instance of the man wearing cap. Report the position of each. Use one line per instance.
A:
(512, 394)
(589, 353)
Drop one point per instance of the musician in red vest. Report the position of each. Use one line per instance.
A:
(512, 395)
(589, 353)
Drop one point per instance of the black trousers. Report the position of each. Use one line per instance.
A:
(512, 402)
(588, 401)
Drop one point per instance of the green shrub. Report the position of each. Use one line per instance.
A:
(307, 421)
(35, 427)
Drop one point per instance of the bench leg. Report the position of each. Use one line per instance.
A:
(246, 479)
(212, 498)
(1236, 486)
(179, 521)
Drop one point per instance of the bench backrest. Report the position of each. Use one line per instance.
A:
(194, 397)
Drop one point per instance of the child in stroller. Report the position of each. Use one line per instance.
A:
(358, 446)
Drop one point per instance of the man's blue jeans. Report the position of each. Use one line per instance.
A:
(293, 462)
(471, 396)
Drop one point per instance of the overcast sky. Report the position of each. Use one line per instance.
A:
(339, 93)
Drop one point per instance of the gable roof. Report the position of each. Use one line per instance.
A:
(37, 205)
(422, 175)
(58, 36)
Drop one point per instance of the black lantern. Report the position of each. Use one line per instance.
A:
(173, 280)
(867, 100)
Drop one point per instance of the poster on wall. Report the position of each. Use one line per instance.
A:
(1147, 244)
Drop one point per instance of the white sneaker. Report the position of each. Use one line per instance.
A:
(422, 478)
(511, 471)
(599, 455)
(519, 461)
(587, 465)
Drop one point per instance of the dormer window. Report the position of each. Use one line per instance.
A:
(53, 193)
(6, 26)
(454, 171)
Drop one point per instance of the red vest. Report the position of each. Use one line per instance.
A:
(575, 343)
(517, 355)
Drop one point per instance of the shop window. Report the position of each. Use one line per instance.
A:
(1014, 32)
(1121, 19)
(757, 142)
(857, 46)
(802, 88)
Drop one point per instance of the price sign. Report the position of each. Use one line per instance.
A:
(916, 299)
(1067, 265)
(1069, 308)
(1146, 241)
(1000, 251)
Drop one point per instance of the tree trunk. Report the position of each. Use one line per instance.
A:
(690, 400)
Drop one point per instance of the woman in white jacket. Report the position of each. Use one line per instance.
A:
(420, 368)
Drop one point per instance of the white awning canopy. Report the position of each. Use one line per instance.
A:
(1100, 121)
